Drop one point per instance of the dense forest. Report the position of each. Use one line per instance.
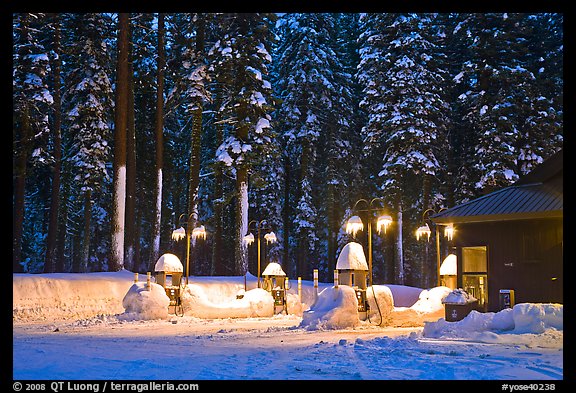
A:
(128, 126)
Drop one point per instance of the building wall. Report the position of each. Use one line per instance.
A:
(523, 255)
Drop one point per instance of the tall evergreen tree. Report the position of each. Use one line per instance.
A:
(405, 104)
(89, 103)
(31, 100)
(242, 60)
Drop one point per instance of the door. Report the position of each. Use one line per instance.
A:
(475, 273)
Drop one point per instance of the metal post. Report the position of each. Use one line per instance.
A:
(438, 280)
(370, 251)
(300, 289)
(315, 284)
(258, 233)
(187, 254)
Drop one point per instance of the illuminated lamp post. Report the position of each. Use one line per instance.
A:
(248, 239)
(424, 230)
(196, 233)
(355, 224)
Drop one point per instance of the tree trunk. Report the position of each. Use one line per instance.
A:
(51, 238)
(86, 240)
(286, 214)
(399, 251)
(217, 242)
(120, 123)
(194, 175)
(19, 190)
(63, 227)
(130, 221)
(155, 253)
(241, 223)
(304, 235)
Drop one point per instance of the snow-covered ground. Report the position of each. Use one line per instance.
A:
(103, 326)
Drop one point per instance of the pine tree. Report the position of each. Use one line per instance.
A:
(89, 102)
(243, 57)
(31, 100)
(405, 103)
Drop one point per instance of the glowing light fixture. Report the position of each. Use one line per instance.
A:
(423, 230)
(270, 237)
(248, 239)
(178, 234)
(199, 232)
(449, 232)
(383, 221)
(354, 225)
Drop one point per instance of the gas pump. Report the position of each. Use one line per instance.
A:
(276, 282)
(353, 271)
(168, 272)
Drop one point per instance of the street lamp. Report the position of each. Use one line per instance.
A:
(355, 224)
(424, 230)
(180, 233)
(248, 239)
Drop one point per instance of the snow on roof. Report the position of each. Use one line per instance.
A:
(273, 269)
(352, 257)
(448, 267)
(168, 263)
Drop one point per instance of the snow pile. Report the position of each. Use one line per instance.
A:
(459, 296)
(335, 308)
(143, 303)
(403, 295)
(430, 300)
(532, 318)
(536, 318)
(352, 257)
(294, 305)
(427, 308)
(381, 308)
(254, 303)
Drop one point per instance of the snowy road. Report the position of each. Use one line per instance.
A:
(266, 348)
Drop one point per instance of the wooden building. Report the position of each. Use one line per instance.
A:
(512, 239)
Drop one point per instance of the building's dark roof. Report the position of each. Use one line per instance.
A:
(538, 194)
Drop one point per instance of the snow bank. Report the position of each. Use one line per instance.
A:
(254, 303)
(430, 300)
(335, 308)
(536, 318)
(403, 295)
(428, 307)
(531, 318)
(142, 303)
(60, 296)
(382, 306)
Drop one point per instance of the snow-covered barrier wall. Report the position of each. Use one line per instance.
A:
(68, 295)
(253, 303)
